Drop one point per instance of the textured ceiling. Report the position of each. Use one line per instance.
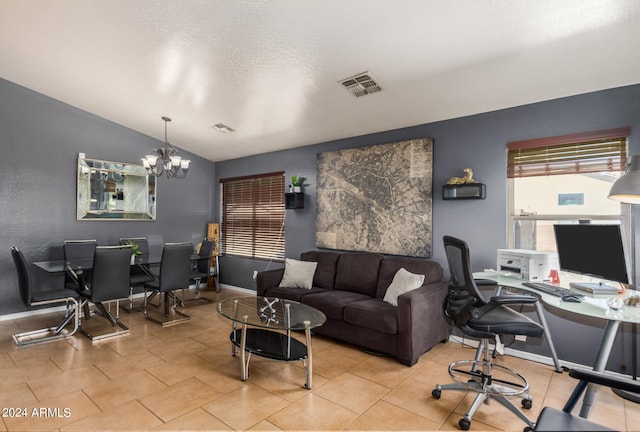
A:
(271, 69)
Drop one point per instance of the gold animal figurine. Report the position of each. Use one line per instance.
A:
(468, 178)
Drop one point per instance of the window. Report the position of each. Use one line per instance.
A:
(563, 179)
(253, 216)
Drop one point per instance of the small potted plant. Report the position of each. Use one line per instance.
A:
(135, 250)
(296, 181)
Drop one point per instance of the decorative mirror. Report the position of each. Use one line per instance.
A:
(114, 191)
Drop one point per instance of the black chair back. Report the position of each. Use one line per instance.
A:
(464, 294)
(24, 281)
(79, 249)
(175, 266)
(206, 250)
(110, 275)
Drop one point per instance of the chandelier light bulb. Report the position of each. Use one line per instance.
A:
(166, 159)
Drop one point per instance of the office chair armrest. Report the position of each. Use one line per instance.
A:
(495, 301)
(513, 299)
(606, 379)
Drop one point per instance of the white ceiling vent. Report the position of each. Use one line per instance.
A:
(221, 127)
(361, 84)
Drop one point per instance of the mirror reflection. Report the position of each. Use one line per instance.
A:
(114, 190)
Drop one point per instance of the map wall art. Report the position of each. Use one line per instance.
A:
(376, 198)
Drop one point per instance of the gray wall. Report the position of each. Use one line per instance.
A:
(479, 142)
(40, 139)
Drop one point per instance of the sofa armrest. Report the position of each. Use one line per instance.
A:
(421, 321)
(267, 279)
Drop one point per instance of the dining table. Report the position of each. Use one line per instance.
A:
(76, 267)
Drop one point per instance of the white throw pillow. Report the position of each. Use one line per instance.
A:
(403, 282)
(298, 274)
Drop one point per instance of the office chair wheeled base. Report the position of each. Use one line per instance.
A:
(480, 376)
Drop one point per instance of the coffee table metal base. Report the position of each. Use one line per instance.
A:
(273, 345)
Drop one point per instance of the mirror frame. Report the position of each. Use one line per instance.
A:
(114, 173)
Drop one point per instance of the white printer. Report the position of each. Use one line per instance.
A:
(526, 264)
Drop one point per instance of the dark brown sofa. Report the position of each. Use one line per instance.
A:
(349, 289)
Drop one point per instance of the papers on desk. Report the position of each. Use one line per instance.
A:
(598, 302)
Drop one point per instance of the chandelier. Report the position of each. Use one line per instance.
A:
(166, 160)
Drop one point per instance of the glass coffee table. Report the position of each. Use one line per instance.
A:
(263, 325)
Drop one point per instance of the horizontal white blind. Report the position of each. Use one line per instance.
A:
(253, 216)
(601, 151)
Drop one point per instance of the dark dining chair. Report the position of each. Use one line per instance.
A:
(202, 270)
(174, 275)
(139, 274)
(109, 282)
(32, 298)
(78, 250)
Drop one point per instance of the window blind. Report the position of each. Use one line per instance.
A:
(253, 216)
(598, 151)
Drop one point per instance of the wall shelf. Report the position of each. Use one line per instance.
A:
(294, 200)
(464, 191)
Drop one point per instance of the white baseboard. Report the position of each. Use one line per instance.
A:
(237, 288)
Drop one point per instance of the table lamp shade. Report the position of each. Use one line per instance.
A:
(627, 187)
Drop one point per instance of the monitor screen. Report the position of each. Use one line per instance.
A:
(592, 250)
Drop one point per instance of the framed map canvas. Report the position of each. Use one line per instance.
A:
(376, 198)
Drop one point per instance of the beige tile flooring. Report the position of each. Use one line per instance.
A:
(184, 378)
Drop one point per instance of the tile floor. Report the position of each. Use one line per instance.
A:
(184, 378)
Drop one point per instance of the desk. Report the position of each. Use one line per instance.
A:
(592, 306)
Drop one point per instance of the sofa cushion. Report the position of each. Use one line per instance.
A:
(431, 270)
(294, 294)
(374, 314)
(298, 274)
(325, 275)
(403, 282)
(332, 303)
(358, 272)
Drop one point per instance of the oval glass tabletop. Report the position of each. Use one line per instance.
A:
(271, 312)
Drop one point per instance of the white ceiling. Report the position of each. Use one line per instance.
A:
(270, 68)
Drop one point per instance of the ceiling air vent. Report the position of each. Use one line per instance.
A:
(221, 127)
(361, 84)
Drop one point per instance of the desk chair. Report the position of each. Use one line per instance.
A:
(36, 298)
(201, 271)
(138, 274)
(109, 282)
(484, 319)
(551, 419)
(174, 275)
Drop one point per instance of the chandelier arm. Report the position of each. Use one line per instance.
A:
(163, 159)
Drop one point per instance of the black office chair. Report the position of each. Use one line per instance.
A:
(552, 419)
(139, 274)
(36, 298)
(174, 275)
(201, 271)
(109, 282)
(486, 320)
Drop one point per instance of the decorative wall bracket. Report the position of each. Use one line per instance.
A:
(464, 191)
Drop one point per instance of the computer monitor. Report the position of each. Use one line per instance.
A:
(593, 250)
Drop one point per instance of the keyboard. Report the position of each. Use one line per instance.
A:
(550, 289)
